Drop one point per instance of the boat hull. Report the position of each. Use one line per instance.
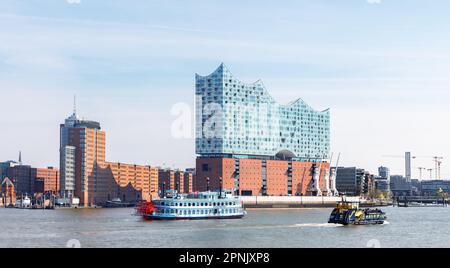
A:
(355, 216)
(166, 218)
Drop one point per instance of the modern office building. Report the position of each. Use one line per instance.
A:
(400, 185)
(408, 172)
(351, 181)
(384, 172)
(256, 145)
(431, 187)
(87, 138)
(82, 151)
(382, 184)
(67, 167)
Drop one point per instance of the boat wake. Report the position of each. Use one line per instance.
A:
(316, 225)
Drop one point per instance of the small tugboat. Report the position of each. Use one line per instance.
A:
(347, 213)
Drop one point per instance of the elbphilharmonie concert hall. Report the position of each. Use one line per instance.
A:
(255, 144)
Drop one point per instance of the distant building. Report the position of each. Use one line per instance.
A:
(384, 172)
(382, 184)
(29, 180)
(7, 192)
(4, 168)
(67, 165)
(369, 183)
(408, 166)
(351, 181)
(188, 182)
(416, 187)
(20, 176)
(45, 180)
(400, 186)
(166, 180)
(431, 187)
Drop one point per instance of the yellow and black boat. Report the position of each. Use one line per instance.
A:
(347, 213)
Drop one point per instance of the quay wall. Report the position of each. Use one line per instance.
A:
(293, 201)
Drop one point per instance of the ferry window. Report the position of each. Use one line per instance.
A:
(189, 204)
(162, 203)
(214, 204)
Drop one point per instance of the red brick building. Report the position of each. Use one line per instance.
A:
(97, 181)
(29, 181)
(259, 177)
(7, 193)
(45, 180)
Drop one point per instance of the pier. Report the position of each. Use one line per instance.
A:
(420, 201)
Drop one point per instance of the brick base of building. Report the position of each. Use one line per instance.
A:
(255, 177)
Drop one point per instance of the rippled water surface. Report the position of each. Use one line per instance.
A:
(406, 227)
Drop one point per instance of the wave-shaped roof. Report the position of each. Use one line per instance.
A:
(298, 102)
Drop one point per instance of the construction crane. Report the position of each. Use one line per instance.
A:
(421, 169)
(437, 161)
(431, 173)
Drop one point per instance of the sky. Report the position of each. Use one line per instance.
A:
(381, 66)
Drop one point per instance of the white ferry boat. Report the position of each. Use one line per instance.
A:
(203, 205)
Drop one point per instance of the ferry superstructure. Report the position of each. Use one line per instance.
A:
(202, 205)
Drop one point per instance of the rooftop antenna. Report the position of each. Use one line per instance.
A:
(74, 104)
(20, 157)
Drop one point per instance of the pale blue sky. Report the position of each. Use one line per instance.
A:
(383, 69)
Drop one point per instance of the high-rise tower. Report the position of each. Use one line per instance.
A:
(82, 148)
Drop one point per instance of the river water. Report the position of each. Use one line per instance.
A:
(299, 228)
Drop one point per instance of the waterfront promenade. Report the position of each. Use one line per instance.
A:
(293, 201)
